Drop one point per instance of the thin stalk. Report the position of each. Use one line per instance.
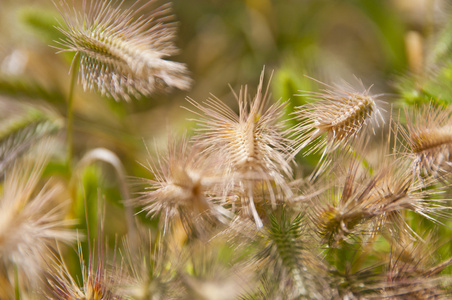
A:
(16, 284)
(107, 156)
(70, 111)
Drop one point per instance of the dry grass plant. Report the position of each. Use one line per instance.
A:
(221, 213)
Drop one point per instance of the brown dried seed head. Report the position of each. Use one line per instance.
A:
(368, 203)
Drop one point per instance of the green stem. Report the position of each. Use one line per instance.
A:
(107, 156)
(16, 284)
(70, 112)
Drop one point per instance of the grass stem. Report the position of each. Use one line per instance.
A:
(70, 112)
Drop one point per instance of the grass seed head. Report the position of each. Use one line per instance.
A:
(250, 147)
(335, 118)
(31, 220)
(428, 136)
(100, 281)
(180, 188)
(285, 255)
(120, 51)
(366, 204)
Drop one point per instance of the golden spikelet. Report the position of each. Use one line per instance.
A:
(250, 147)
(428, 135)
(336, 117)
(120, 51)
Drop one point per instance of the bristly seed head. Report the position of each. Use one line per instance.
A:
(339, 113)
(367, 204)
(180, 186)
(100, 280)
(429, 139)
(31, 222)
(252, 140)
(250, 147)
(121, 53)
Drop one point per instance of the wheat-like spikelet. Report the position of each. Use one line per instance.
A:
(120, 51)
(250, 147)
(18, 140)
(428, 136)
(21, 128)
(31, 221)
(336, 117)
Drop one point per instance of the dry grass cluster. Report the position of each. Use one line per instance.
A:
(343, 197)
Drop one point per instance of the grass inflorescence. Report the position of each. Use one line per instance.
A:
(121, 52)
(341, 192)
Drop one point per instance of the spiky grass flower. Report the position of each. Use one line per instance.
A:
(340, 214)
(100, 281)
(180, 188)
(365, 205)
(122, 52)
(413, 271)
(250, 147)
(335, 117)
(428, 135)
(286, 257)
(31, 222)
